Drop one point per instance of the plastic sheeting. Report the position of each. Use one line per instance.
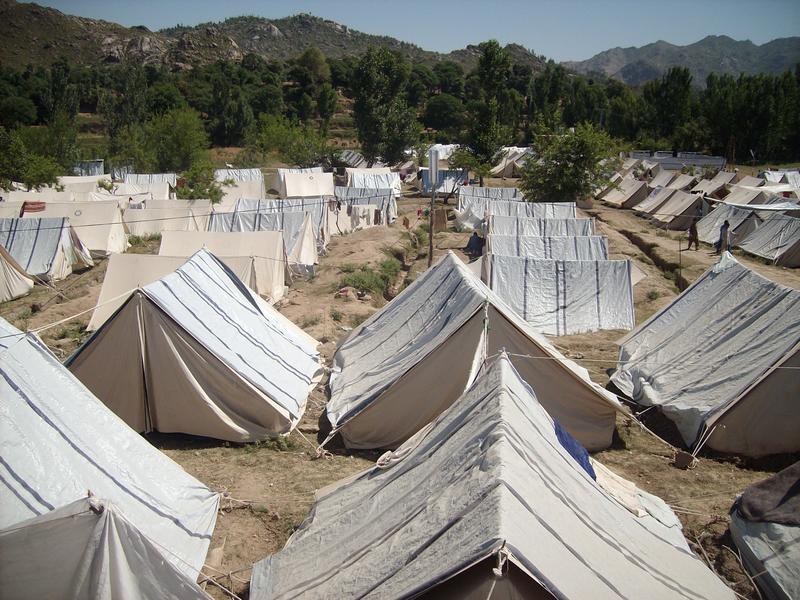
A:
(540, 227)
(383, 199)
(710, 356)
(742, 223)
(148, 178)
(382, 178)
(59, 441)
(213, 360)
(92, 552)
(448, 181)
(776, 239)
(559, 248)
(413, 358)
(519, 208)
(238, 175)
(493, 193)
(253, 210)
(679, 211)
(488, 479)
(562, 297)
(46, 248)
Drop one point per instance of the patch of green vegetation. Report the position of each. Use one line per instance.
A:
(336, 315)
(356, 320)
(670, 275)
(310, 321)
(348, 268)
(366, 279)
(653, 295)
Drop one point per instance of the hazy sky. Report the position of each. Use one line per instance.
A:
(559, 29)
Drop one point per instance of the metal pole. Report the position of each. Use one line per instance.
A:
(430, 228)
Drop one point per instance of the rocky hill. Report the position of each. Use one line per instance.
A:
(32, 34)
(712, 54)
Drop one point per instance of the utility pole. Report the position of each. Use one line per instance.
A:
(433, 166)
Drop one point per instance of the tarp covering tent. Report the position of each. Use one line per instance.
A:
(792, 178)
(486, 503)
(512, 159)
(383, 199)
(765, 525)
(298, 233)
(346, 219)
(98, 224)
(448, 181)
(59, 442)
(409, 361)
(207, 357)
(741, 220)
(92, 552)
(663, 178)
(264, 247)
(238, 175)
(492, 193)
(712, 186)
(709, 361)
(307, 185)
(152, 221)
(562, 297)
(776, 239)
(381, 178)
(45, 248)
(156, 190)
(540, 227)
(533, 210)
(352, 158)
(148, 178)
(317, 206)
(657, 198)
(563, 247)
(627, 194)
(682, 181)
(679, 211)
(14, 281)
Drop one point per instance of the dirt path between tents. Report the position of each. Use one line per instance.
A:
(277, 479)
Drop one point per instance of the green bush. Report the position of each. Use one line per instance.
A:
(366, 279)
(336, 315)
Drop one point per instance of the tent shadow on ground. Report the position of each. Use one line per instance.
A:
(336, 445)
(184, 441)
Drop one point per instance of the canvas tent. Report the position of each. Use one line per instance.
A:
(408, 362)
(59, 442)
(155, 190)
(741, 195)
(741, 220)
(722, 382)
(765, 525)
(48, 249)
(491, 193)
(562, 297)
(264, 249)
(148, 178)
(540, 227)
(153, 221)
(662, 179)
(383, 200)
(491, 501)
(654, 201)
(627, 194)
(380, 178)
(713, 186)
(306, 185)
(518, 208)
(279, 180)
(682, 181)
(207, 357)
(777, 239)
(247, 183)
(14, 281)
(82, 184)
(448, 181)
(750, 181)
(97, 224)
(563, 247)
(43, 195)
(678, 212)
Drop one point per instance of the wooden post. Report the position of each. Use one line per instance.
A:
(430, 227)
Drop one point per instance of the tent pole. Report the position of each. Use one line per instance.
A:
(430, 232)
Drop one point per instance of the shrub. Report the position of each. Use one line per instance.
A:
(336, 315)
(653, 295)
(310, 321)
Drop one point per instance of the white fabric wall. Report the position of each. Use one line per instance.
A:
(558, 248)
(540, 227)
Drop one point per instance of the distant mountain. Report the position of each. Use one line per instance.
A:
(712, 54)
(32, 34)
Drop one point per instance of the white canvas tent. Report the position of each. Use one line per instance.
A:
(43, 195)
(279, 182)
(777, 239)
(741, 220)
(82, 184)
(710, 362)
(381, 178)
(14, 281)
(713, 186)
(682, 181)
(491, 501)
(540, 227)
(408, 362)
(563, 247)
(751, 181)
(264, 249)
(518, 208)
(563, 297)
(306, 185)
(153, 221)
(97, 224)
(742, 195)
(448, 181)
(92, 552)
(206, 357)
(149, 178)
(662, 179)
(383, 199)
(247, 183)
(48, 249)
(765, 525)
(627, 194)
(491, 193)
(678, 212)
(59, 442)
(657, 198)
(155, 190)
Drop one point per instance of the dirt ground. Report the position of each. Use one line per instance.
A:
(270, 486)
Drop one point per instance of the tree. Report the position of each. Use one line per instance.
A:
(162, 97)
(386, 125)
(313, 60)
(199, 181)
(444, 111)
(450, 76)
(420, 84)
(485, 134)
(178, 139)
(15, 110)
(567, 166)
(669, 100)
(19, 164)
(494, 68)
(326, 105)
(296, 145)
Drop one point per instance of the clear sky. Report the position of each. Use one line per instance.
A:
(559, 29)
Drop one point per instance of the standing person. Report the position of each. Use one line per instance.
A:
(724, 241)
(693, 237)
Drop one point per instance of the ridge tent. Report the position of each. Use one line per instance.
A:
(662, 179)
(197, 352)
(721, 382)
(82, 184)
(247, 183)
(562, 297)
(14, 281)
(97, 224)
(776, 239)
(657, 198)
(156, 190)
(383, 199)
(150, 178)
(43, 195)
(561, 247)
(771, 176)
(59, 441)
(279, 180)
(682, 181)
(741, 220)
(600, 192)
(710, 187)
(352, 218)
(627, 194)
(238, 175)
(678, 212)
(492, 500)
(48, 249)
(306, 185)
(253, 210)
(381, 178)
(765, 525)
(491, 193)
(448, 181)
(750, 181)
(792, 178)
(152, 221)
(540, 227)
(126, 272)
(512, 160)
(519, 208)
(201, 208)
(264, 248)
(413, 358)
(92, 551)
(741, 195)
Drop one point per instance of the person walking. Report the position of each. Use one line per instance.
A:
(693, 237)
(724, 241)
